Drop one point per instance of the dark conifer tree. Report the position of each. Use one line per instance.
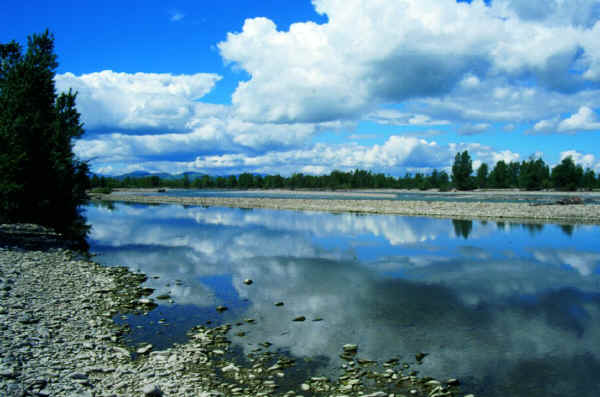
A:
(41, 180)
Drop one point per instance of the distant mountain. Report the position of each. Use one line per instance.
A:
(162, 175)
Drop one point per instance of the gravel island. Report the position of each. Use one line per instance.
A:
(573, 213)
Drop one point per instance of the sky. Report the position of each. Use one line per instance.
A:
(277, 86)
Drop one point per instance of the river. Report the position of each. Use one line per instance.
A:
(509, 309)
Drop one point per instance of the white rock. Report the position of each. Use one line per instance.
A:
(229, 368)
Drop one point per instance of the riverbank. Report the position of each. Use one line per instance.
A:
(574, 213)
(58, 338)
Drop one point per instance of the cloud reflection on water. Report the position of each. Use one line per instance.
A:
(503, 308)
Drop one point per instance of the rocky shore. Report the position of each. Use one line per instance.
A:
(58, 338)
(574, 213)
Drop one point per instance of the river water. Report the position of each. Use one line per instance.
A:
(509, 309)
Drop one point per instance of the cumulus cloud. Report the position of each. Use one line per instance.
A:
(419, 49)
(397, 118)
(585, 160)
(140, 101)
(397, 155)
(584, 120)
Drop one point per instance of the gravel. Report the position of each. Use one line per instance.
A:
(580, 213)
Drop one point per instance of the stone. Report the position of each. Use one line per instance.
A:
(230, 368)
(376, 394)
(278, 303)
(144, 349)
(304, 387)
(453, 382)
(349, 348)
(248, 281)
(152, 390)
(421, 356)
(221, 309)
(299, 318)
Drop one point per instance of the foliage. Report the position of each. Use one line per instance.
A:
(567, 175)
(41, 181)
(481, 179)
(462, 170)
(531, 175)
(534, 174)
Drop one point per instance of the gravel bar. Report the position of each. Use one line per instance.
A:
(574, 213)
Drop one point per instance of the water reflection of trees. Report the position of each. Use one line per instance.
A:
(567, 229)
(533, 228)
(462, 227)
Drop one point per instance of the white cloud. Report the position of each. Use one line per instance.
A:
(358, 137)
(473, 129)
(397, 118)
(549, 125)
(140, 101)
(390, 52)
(397, 155)
(585, 160)
(584, 120)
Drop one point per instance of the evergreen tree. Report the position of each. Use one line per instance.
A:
(499, 175)
(462, 170)
(567, 175)
(482, 176)
(534, 174)
(589, 179)
(41, 181)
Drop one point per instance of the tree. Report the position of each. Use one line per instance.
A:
(567, 175)
(482, 176)
(589, 179)
(462, 170)
(534, 174)
(499, 175)
(41, 180)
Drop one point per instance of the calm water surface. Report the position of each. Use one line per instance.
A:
(510, 309)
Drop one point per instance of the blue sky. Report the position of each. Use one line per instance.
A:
(280, 87)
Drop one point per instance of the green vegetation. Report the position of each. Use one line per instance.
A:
(462, 170)
(532, 174)
(41, 181)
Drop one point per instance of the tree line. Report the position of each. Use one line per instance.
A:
(531, 174)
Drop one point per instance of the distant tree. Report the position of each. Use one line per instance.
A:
(444, 181)
(499, 176)
(231, 181)
(567, 175)
(514, 169)
(186, 181)
(41, 180)
(462, 170)
(245, 181)
(155, 181)
(481, 180)
(534, 174)
(589, 179)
